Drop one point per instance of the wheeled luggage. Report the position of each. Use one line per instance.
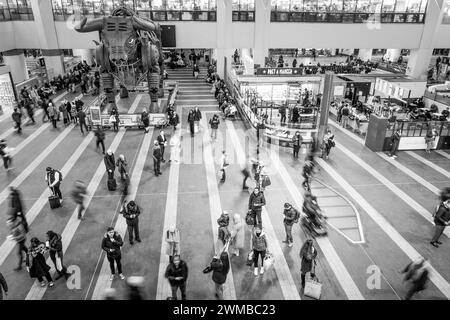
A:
(54, 202)
(112, 184)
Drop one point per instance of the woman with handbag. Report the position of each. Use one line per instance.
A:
(308, 255)
(36, 265)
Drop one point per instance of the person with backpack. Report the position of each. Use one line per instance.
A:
(259, 247)
(78, 195)
(100, 135)
(441, 220)
(172, 243)
(395, 140)
(55, 247)
(416, 276)
(291, 216)
(122, 166)
(131, 213)
(54, 179)
(177, 273)
(308, 255)
(220, 267)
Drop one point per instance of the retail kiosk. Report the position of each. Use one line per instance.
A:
(8, 96)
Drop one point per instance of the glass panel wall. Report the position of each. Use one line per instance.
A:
(15, 10)
(446, 16)
(349, 11)
(243, 10)
(158, 10)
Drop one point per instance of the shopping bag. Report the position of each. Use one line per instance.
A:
(268, 260)
(313, 288)
(195, 128)
(59, 266)
(266, 181)
(250, 259)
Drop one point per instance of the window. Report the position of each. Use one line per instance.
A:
(446, 15)
(15, 10)
(243, 10)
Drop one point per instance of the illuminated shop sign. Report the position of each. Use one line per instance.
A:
(278, 71)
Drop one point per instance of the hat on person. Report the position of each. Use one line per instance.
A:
(287, 205)
(48, 169)
(156, 142)
(110, 229)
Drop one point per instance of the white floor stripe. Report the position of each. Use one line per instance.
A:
(37, 292)
(170, 215)
(389, 230)
(215, 207)
(396, 190)
(284, 275)
(30, 138)
(443, 153)
(8, 245)
(429, 163)
(410, 173)
(36, 162)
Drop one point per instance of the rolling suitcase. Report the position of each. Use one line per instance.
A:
(112, 184)
(54, 202)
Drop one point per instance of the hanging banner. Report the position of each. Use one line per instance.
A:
(278, 71)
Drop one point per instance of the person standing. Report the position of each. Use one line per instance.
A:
(172, 243)
(416, 276)
(223, 166)
(53, 114)
(3, 287)
(214, 123)
(110, 164)
(220, 267)
(17, 209)
(156, 158)
(36, 264)
(162, 141)
(308, 255)
(55, 247)
(191, 121)
(122, 166)
(65, 113)
(291, 216)
(18, 234)
(78, 195)
(282, 111)
(17, 118)
(237, 234)
(395, 140)
(255, 204)
(145, 120)
(441, 220)
(259, 247)
(54, 179)
(131, 213)
(297, 141)
(196, 71)
(197, 118)
(174, 120)
(246, 169)
(111, 243)
(82, 118)
(345, 114)
(114, 119)
(5, 153)
(177, 274)
(100, 135)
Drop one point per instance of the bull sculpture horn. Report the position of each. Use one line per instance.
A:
(89, 26)
(141, 24)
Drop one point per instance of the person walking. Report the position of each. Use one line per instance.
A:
(131, 213)
(111, 244)
(259, 247)
(82, 118)
(297, 141)
(17, 118)
(79, 193)
(16, 206)
(191, 121)
(5, 153)
(110, 164)
(345, 112)
(291, 216)
(246, 171)
(223, 234)
(122, 166)
(177, 274)
(223, 165)
(172, 243)
(156, 154)
(162, 141)
(441, 220)
(214, 123)
(255, 204)
(145, 120)
(395, 140)
(220, 267)
(237, 234)
(100, 135)
(3, 286)
(416, 277)
(327, 144)
(308, 255)
(18, 234)
(53, 114)
(55, 247)
(196, 71)
(36, 264)
(54, 179)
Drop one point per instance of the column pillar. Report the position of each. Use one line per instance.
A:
(420, 58)
(84, 54)
(224, 49)
(44, 27)
(365, 54)
(15, 59)
(262, 26)
(393, 54)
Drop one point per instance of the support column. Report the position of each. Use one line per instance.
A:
(327, 97)
(420, 58)
(365, 54)
(84, 54)
(44, 27)
(224, 49)
(262, 24)
(15, 59)
(393, 54)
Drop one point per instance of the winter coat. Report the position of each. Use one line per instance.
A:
(157, 152)
(238, 234)
(36, 261)
(197, 115)
(56, 243)
(214, 122)
(3, 286)
(173, 243)
(220, 268)
(308, 256)
(53, 112)
(100, 134)
(110, 163)
(172, 272)
(81, 116)
(259, 243)
(290, 215)
(122, 165)
(131, 213)
(191, 117)
(16, 203)
(256, 202)
(442, 215)
(145, 119)
(16, 116)
(223, 234)
(107, 245)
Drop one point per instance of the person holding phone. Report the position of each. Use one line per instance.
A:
(111, 243)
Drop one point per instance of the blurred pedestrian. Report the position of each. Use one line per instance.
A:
(134, 288)
(3, 287)
(220, 267)
(416, 277)
(79, 193)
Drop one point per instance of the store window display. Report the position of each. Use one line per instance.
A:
(15, 10)
(243, 10)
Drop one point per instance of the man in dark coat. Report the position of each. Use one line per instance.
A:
(395, 140)
(177, 273)
(441, 220)
(17, 118)
(191, 121)
(82, 117)
(220, 267)
(3, 286)
(156, 154)
(416, 275)
(162, 141)
(100, 135)
(17, 207)
(110, 163)
(111, 243)
(282, 111)
(255, 204)
(18, 234)
(131, 213)
(55, 247)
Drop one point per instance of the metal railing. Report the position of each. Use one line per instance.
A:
(438, 97)
(346, 17)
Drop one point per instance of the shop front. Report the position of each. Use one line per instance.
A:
(8, 96)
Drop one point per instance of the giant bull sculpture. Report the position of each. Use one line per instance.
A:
(129, 51)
